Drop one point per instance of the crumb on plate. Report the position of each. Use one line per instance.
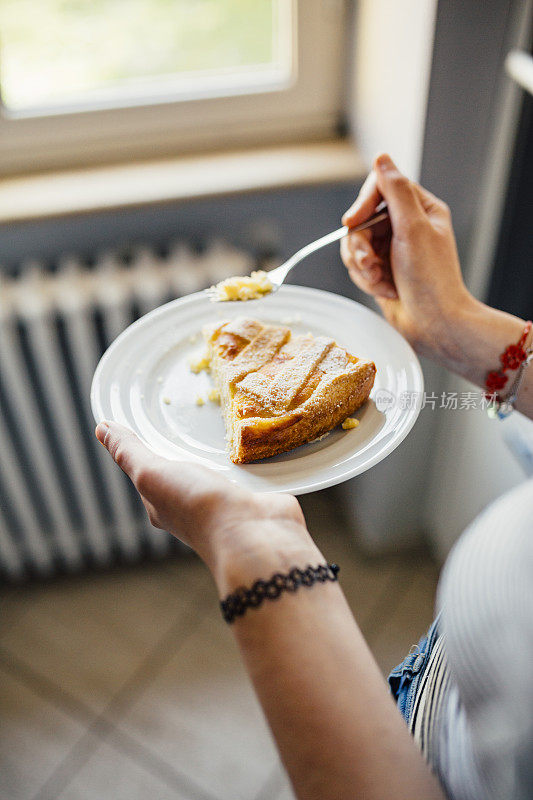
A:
(200, 400)
(214, 395)
(166, 401)
(350, 423)
(199, 364)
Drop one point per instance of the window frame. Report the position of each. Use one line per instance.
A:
(307, 105)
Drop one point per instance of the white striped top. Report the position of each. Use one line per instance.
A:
(473, 714)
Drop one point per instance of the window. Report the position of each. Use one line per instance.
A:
(59, 55)
(88, 81)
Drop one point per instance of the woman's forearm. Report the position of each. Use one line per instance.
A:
(473, 343)
(336, 727)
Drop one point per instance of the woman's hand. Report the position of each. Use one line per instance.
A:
(410, 263)
(230, 528)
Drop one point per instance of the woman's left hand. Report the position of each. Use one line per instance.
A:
(222, 522)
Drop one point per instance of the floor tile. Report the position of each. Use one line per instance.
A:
(89, 635)
(410, 616)
(14, 601)
(110, 774)
(35, 736)
(200, 714)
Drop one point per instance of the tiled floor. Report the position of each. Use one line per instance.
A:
(128, 686)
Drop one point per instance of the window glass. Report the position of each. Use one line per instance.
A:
(70, 53)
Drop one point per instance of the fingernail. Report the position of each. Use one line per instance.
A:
(384, 162)
(360, 253)
(101, 432)
(353, 208)
(390, 293)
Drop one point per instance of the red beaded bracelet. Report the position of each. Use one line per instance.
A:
(511, 358)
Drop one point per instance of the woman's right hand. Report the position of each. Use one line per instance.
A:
(409, 263)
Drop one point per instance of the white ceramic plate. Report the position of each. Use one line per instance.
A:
(149, 364)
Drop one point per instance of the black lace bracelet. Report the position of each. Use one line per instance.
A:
(238, 601)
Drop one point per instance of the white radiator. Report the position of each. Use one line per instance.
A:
(64, 505)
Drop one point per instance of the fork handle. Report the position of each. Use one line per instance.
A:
(381, 213)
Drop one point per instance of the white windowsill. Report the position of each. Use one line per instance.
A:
(59, 194)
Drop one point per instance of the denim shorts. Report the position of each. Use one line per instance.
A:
(405, 679)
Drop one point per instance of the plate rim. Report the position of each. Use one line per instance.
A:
(298, 488)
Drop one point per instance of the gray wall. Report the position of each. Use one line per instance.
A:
(469, 49)
(278, 221)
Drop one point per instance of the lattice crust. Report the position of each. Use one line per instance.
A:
(278, 390)
(278, 393)
(257, 353)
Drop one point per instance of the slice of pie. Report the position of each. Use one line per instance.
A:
(279, 391)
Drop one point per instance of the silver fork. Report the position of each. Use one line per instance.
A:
(277, 276)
